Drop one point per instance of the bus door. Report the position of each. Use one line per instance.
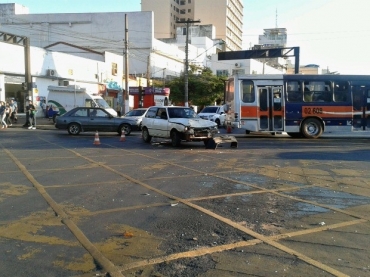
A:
(270, 110)
(361, 107)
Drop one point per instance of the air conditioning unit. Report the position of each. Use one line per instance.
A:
(51, 72)
(238, 64)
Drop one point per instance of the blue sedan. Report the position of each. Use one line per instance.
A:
(85, 119)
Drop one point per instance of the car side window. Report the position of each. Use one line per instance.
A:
(80, 112)
(161, 113)
(152, 112)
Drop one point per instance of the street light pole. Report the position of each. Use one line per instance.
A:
(186, 69)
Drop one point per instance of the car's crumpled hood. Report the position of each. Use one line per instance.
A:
(193, 122)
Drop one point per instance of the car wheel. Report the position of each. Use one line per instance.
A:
(312, 128)
(217, 121)
(145, 135)
(125, 128)
(74, 129)
(175, 138)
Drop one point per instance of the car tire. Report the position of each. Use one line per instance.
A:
(175, 138)
(145, 135)
(125, 128)
(74, 129)
(217, 121)
(312, 128)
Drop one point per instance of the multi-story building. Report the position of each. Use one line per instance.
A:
(225, 15)
(273, 38)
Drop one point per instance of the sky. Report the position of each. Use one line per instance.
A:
(334, 34)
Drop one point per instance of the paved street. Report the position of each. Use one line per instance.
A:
(274, 206)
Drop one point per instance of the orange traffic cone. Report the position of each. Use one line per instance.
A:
(123, 137)
(96, 139)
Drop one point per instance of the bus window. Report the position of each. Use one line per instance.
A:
(230, 91)
(294, 93)
(341, 91)
(317, 91)
(248, 92)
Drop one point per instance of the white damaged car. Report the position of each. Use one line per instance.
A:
(178, 124)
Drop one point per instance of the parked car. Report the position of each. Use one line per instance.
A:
(84, 119)
(213, 113)
(178, 124)
(136, 115)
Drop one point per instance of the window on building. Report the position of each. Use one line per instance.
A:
(182, 11)
(238, 71)
(222, 73)
(183, 2)
(114, 69)
(189, 10)
(189, 1)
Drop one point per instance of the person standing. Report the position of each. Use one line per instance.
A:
(32, 114)
(2, 115)
(27, 123)
(8, 112)
(14, 106)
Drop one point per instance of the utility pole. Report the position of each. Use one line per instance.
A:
(186, 69)
(125, 94)
(27, 60)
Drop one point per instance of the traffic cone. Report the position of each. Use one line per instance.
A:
(96, 139)
(123, 137)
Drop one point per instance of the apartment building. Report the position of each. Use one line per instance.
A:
(225, 15)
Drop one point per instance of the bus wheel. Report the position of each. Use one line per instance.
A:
(312, 128)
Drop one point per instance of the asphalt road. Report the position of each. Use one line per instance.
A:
(274, 206)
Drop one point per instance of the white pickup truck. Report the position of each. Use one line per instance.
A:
(178, 124)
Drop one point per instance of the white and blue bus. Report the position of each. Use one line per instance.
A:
(300, 105)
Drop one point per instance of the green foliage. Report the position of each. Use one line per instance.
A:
(203, 89)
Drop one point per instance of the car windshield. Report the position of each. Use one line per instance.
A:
(135, 113)
(209, 110)
(180, 112)
(102, 103)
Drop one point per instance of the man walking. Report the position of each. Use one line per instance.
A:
(31, 114)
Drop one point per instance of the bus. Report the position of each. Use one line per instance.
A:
(300, 105)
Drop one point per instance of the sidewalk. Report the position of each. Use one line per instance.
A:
(41, 123)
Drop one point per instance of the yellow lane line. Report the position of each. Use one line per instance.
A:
(95, 253)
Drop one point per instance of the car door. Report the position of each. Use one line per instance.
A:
(160, 123)
(100, 120)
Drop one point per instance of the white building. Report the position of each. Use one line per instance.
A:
(95, 46)
(225, 15)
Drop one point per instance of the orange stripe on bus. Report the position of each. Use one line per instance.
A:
(327, 111)
(248, 111)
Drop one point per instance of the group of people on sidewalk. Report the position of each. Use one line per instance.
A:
(8, 113)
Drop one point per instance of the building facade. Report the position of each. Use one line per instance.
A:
(225, 15)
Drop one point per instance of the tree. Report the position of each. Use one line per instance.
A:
(203, 89)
